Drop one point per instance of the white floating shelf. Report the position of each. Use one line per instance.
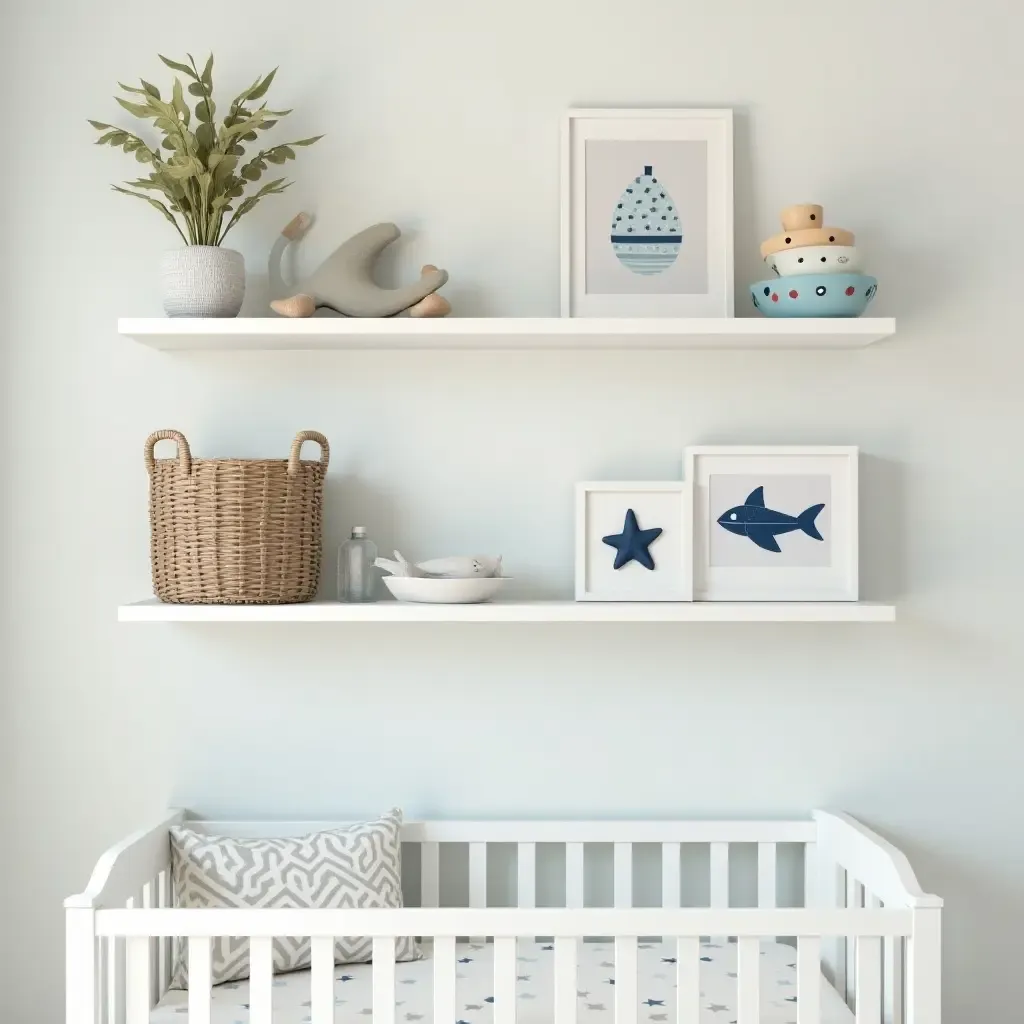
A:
(513, 611)
(283, 335)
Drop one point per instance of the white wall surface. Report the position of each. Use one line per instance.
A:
(903, 118)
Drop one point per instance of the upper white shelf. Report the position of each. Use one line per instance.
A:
(278, 334)
(513, 611)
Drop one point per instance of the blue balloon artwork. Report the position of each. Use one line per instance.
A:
(762, 525)
(633, 544)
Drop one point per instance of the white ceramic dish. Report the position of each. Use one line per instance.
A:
(450, 591)
(815, 259)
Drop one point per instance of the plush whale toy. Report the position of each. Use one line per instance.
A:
(344, 281)
(457, 567)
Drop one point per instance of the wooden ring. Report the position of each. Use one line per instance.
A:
(809, 236)
(802, 216)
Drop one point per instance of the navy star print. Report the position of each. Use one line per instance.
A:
(633, 543)
(654, 1002)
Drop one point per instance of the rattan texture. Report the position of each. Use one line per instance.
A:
(235, 531)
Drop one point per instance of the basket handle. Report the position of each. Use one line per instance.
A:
(308, 435)
(184, 453)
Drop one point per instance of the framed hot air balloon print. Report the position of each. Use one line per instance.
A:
(774, 523)
(647, 213)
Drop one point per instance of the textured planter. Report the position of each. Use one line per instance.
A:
(202, 280)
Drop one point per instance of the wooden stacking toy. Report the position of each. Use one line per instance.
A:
(818, 269)
(802, 225)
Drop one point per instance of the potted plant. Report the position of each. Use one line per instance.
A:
(199, 168)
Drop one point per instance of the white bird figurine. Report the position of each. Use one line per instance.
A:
(455, 567)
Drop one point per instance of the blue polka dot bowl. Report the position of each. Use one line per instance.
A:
(801, 295)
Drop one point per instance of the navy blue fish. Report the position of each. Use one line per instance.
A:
(762, 525)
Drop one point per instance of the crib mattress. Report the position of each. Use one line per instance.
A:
(474, 989)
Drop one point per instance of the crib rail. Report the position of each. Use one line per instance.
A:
(865, 927)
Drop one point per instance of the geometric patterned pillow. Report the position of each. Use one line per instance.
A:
(356, 866)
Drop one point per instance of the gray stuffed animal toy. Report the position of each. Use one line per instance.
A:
(344, 281)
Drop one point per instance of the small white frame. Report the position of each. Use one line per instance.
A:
(713, 126)
(836, 582)
(633, 582)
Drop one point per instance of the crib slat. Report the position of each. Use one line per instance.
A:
(199, 974)
(670, 875)
(115, 982)
(624, 875)
(137, 976)
(383, 981)
(566, 1003)
(719, 881)
(150, 899)
(748, 982)
(430, 874)
(477, 880)
(102, 978)
(321, 981)
(854, 899)
(688, 979)
(832, 893)
(574, 875)
(808, 980)
(625, 979)
(869, 980)
(444, 978)
(166, 943)
(526, 867)
(504, 980)
(261, 979)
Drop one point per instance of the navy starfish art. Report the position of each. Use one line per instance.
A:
(633, 543)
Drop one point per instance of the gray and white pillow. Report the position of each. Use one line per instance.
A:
(356, 866)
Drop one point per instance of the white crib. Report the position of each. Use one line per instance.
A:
(864, 926)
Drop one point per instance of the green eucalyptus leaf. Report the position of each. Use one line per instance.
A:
(261, 90)
(132, 88)
(150, 89)
(113, 138)
(178, 102)
(130, 143)
(143, 155)
(174, 65)
(306, 142)
(99, 125)
(205, 136)
(207, 76)
(165, 124)
(205, 109)
(267, 124)
(135, 108)
(251, 173)
(249, 137)
(237, 150)
(275, 156)
(171, 142)
(196, 89)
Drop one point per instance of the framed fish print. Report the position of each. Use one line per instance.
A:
(774, 523)
(633, 542)
(647, 213)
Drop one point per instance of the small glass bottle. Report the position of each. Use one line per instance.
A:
(357, 577)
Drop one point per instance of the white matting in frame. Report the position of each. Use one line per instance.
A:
(602, 510)
(774, 523)
(647, 213)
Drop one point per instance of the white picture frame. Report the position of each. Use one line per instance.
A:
(601, 509)
(728, 567)
(596, 294)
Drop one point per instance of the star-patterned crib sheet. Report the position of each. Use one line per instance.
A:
(595, 980)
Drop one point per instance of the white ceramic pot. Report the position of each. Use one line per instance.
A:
(815, 259)
(202, 280)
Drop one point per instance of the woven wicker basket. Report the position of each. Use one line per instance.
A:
(235, 531)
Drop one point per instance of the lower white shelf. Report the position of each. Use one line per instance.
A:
(513, 611)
